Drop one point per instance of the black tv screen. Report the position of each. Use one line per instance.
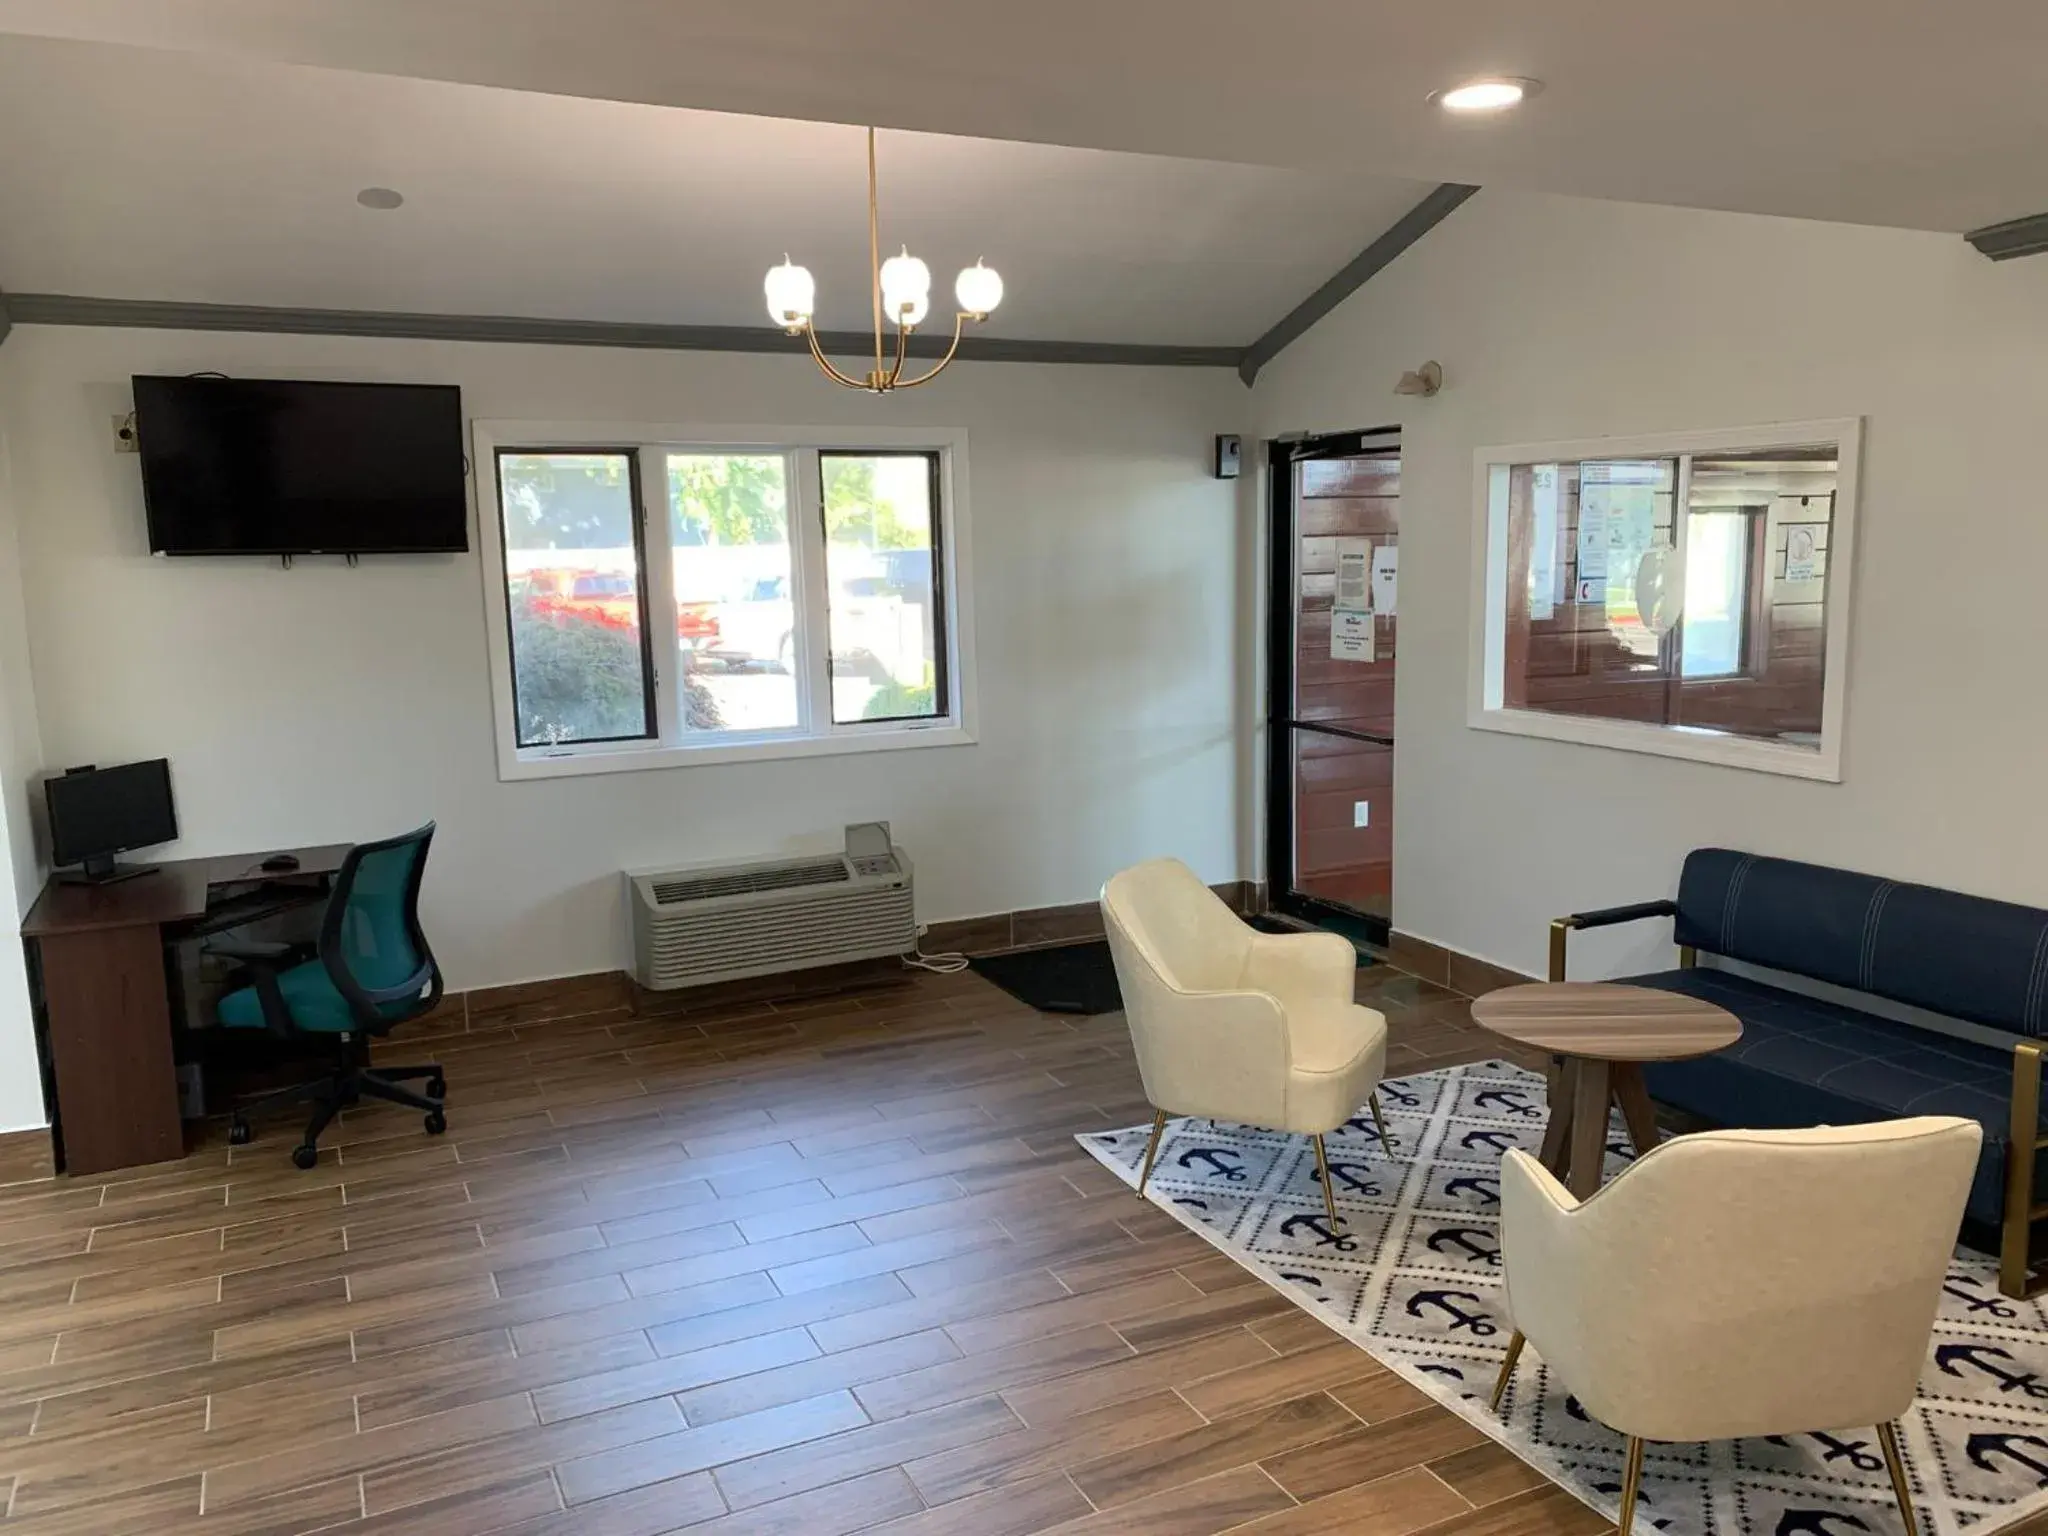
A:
(281, 467)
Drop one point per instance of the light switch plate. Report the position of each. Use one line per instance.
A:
(1361, 813)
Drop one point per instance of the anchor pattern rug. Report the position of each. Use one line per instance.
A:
(1414, 1279)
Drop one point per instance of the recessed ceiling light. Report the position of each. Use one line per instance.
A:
(1494, 93)
(382, 199)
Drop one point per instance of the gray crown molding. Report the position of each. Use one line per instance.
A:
(178, 315)
(1404, 232)
(161, 314)
(2015, 237)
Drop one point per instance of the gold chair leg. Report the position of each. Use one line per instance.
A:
(1323, 1167)
(1631, 1482)
(1380, 1121)
(1151, 1149)
(1888, 1437)
(1507, 1369)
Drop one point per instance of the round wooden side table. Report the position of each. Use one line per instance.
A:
(1597, 1034)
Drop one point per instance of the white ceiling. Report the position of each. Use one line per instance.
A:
(1902, 112)
(128, 172)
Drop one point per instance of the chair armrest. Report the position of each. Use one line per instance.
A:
(1218, 1055)
(262, 960)
(1540, 1254)
(1603, 917)
(1302, 967)
(253, 951)
(1606, 917)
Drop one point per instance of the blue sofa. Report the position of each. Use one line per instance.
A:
(1805, 1061)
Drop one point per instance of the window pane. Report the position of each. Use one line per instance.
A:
(735, 608)
(1716, 593)
(572, 580)
(1625, 516)
(1783, 501)
(884, 599)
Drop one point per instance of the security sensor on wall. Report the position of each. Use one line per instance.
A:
(1424, 381)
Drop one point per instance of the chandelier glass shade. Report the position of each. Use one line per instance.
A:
(901, 289)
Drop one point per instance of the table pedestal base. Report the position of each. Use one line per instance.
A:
(1575, 1141)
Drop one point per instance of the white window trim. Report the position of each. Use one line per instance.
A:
(1485, 682)
(824, 739)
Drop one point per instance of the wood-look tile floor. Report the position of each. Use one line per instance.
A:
(816, 1267)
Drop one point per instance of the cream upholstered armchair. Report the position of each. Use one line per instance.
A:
(1233, 1024)
(1740, 1283)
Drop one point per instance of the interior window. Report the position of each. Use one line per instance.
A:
(1713, 622)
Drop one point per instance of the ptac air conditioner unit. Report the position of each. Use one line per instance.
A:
(722, 922)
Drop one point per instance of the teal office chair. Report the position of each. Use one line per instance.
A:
(373, 970)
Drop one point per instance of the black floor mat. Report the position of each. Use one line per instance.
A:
(1070, 978)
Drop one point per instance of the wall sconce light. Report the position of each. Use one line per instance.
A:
(1424, 381)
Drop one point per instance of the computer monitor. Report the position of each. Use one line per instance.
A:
(96, 813)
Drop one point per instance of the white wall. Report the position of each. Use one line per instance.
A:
(1558, 318)
(21, 1094)
(329, 704)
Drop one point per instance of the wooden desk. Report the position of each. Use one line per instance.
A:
(1597, 1034)
(99, 953)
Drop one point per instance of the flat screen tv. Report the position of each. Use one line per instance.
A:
(283, 467)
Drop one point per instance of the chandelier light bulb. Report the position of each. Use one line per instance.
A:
(906, 289)
(792, 295)
(979, 290)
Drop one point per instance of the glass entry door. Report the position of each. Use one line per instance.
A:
(1333, 606)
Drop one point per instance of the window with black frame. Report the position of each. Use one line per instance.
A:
(697, 600)
(576, 596)
(885, 611)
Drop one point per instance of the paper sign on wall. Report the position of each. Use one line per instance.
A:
(1386, 579)
(1592, 543)
(1351, 636)
(1354, 564)
(1800, 550)
(1543, 543)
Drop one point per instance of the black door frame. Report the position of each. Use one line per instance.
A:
(1282, 598)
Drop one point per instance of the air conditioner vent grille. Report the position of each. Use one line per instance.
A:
(713, 923)
(751, 880)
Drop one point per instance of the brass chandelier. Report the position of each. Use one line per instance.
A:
(901, 287)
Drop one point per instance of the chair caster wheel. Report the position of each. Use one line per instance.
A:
(306, 1155)
(436, 1122)
(437, 1087)
(239, 1134)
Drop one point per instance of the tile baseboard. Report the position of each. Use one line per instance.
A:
(1450, 967)
(27, 1155)
(1036, 927)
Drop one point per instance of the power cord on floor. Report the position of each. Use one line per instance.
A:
(942, 965)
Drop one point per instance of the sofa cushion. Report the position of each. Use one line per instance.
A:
(1964, 956)
(1804, 1061)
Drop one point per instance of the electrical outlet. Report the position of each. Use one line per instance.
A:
(124, 434)
(1361, 813)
